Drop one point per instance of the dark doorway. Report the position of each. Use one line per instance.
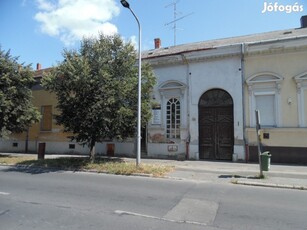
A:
(216, 134)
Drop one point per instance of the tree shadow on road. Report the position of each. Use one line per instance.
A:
(31, 169)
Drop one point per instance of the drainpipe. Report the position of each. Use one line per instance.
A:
(243, 101)
(184, 59)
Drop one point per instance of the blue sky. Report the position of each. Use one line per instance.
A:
(38, 30)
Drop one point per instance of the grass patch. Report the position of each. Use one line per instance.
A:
(129, 168)
(105, 165)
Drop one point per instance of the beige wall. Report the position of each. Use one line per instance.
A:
(286, 64)
(281, 137)
(42, 98)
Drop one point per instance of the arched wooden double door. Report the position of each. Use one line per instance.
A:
(216, 132)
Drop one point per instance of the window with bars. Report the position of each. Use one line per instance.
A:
(173, 118)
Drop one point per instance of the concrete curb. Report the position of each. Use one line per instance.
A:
(270, 185)
(142, 174)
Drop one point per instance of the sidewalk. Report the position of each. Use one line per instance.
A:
(279, 176)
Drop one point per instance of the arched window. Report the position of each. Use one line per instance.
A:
(173, 102)
(173, 118)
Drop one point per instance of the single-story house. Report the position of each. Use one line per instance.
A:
(205, 101)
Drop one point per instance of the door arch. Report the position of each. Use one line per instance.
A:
(216, 131)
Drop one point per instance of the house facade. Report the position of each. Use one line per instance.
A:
(219, 84)
(48, 133)
(275, 84)
(199, 93)
(204, 102)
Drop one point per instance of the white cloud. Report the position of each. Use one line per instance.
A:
(71, 20)
(134, 41)
(45, 5)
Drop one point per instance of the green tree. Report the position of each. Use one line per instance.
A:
(96, 88)
(16, 110)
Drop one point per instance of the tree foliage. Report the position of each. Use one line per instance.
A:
(16, 110)
(96, 88)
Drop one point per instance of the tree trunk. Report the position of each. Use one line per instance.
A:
(92, 150)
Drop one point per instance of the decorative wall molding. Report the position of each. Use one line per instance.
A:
(301, 87)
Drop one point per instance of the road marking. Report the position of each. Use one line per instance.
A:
(203, 211)
(4, 193)
(120, 212)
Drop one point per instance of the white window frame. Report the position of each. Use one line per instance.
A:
(173, 131)
(301, 87)
(262, 84)
(168, 90)
(266, 93)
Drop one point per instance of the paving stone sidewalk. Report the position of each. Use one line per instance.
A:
(278, 176)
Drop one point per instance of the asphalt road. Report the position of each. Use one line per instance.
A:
(37, 199)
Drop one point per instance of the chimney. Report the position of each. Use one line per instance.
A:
(157, 43)
(38, 66)
(304, 21)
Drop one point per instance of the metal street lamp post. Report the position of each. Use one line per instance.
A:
(138, 147)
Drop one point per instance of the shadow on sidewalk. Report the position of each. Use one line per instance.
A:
(238, 177)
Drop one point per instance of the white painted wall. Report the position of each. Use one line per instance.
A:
(200, 75)
(169, 73)
(222, 74)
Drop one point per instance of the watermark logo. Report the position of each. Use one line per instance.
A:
(269, 7)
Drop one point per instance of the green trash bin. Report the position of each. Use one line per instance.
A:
(265, 161)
